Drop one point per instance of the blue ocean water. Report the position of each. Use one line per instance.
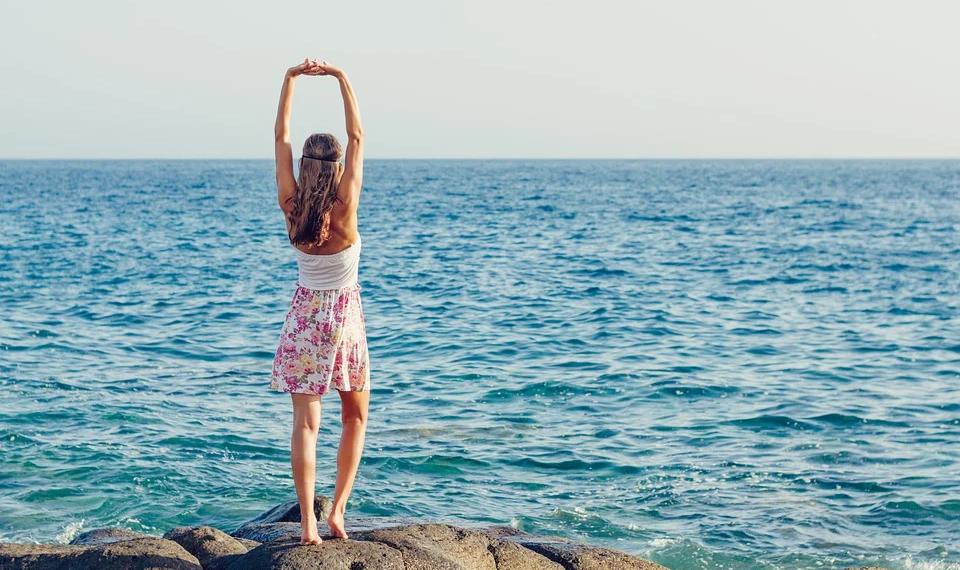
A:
(713, 364)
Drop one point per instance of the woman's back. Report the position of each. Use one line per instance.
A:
(343, 233)
(329, 271)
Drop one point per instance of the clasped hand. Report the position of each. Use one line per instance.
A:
(313, 67)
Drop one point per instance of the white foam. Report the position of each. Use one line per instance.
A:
(69, 532)
(663, 542)
(911, 564)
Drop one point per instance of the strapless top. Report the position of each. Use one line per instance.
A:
(329, 271)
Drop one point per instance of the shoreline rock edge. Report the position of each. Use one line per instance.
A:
(272, 541)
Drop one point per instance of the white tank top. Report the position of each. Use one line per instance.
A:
(329, 271)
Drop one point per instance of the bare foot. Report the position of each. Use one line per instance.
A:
(335, 520)
(309, 535)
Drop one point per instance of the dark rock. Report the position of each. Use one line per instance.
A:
(504, 531)
(332, 554)
(433, 547)
(250, 544)
(214, 548)
(446, 547)
(411, 547)
(436, 546)
(140, 554)
(272, 541)
(359, 524)
(269, 532)
(511, 556)
(38, 556)
(290, 512)
(148, 553)
(100, 536)
(282, 521)
(574, 555)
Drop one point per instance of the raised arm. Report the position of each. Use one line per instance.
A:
(286, 183)
(352, 179)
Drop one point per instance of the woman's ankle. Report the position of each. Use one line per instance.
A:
(307, 515)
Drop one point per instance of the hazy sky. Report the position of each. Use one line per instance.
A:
(498, 78)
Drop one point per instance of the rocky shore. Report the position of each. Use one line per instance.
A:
(271, 541)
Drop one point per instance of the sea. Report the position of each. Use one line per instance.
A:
(729, 364)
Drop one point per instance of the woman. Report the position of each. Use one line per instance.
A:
(323, 343)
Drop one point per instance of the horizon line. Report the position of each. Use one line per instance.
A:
(501, 158)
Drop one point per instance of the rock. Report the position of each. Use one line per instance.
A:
(250, 544)
(333, 554)
(100, 536)
(436, 546)
(143, 553)
(290, 512)
(282, 521)
(504, 531)
(359, 524)
(214, 548)
(38, 556)
(511, 556)
(432, 547)
(866, 568)
(269, 532)
(446, 547)
(139, 554)
(272, 541)
(573, 555)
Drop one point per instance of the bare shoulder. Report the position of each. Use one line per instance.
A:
(348, 192)
(343, 223)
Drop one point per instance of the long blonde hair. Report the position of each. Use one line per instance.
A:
(316, 192)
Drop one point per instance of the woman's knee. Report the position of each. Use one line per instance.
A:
(307, 423)
(354, 406)
(356, 417)
(306, 413)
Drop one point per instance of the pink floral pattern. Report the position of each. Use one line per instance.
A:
(323, 343)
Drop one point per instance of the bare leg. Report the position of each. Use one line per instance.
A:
(354, 407)
(303, 459)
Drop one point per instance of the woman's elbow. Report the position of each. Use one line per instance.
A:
(355, 135)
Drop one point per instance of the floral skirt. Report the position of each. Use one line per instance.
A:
(323, 343)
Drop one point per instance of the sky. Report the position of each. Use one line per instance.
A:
(491, 79)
